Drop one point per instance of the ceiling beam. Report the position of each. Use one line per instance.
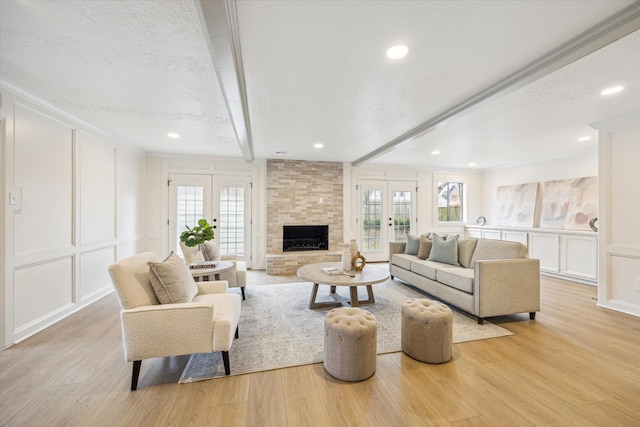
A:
(219, 20)
(606, 32)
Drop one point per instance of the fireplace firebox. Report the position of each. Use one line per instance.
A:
(305, 238)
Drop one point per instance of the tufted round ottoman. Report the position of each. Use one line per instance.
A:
(427, 330)
(350, 343)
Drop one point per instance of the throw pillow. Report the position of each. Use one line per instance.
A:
(466, 246)
(172, 281)
(445, 251)
(425, 247)
(413, 243)
(211, 251)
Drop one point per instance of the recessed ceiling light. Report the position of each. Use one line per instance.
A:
(173, 135)
(398, 51)
(584, 138)
(318, 145)
(435, 152)
(472, 164)
(612, 90)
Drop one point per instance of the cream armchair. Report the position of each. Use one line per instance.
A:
(236, 277)
(150, 329)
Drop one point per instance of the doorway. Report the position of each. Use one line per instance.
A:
(387, 212)
(223, 200)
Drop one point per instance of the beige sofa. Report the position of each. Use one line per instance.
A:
(494, 277)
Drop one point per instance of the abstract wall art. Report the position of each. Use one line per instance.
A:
(516, 205)
(569, 204)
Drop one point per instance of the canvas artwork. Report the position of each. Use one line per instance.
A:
(516, 205)
(569, 204)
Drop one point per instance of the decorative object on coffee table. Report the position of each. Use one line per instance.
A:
(427, 330)
(350, 343)
(358, 262)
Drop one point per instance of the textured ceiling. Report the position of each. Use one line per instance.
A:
(316, 72)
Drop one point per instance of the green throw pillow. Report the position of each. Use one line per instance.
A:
(445, 251)
(413, 244)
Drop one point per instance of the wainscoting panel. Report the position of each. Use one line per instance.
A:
(41, 290)
(94, 277)
(43, 165)
(97, 189)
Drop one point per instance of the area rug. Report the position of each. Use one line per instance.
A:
(277, 329)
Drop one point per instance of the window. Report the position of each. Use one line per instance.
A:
(190, 208)
(232, 207)
(450, 199)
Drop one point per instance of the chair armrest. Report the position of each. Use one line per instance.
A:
(228, 257)
(507, 286)
(213, 287)
(396, 248)
(167, 330)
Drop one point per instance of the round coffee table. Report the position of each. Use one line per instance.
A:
(220, 267)
(370, 275)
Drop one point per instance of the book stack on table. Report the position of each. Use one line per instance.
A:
(206, 264)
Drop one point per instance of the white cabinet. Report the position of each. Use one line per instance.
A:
(579, 256)
(546, 248)
(571, 255)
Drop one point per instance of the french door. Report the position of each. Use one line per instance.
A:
(387, 212)
(224, 201)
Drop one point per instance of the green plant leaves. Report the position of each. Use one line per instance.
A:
(197, 235)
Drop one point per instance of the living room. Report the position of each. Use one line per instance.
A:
(79, 198)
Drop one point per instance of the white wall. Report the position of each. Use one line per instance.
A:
(619, 202)
(578, 165)
(78, 207)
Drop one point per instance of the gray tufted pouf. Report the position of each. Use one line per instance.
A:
(350, 343)
(427, 330)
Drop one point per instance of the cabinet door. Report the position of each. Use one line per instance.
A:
(491, 234)
(546, 248)
(579, 255)
(474, 232)
(515, 236)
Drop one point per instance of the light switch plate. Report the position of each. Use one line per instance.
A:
(15, 198)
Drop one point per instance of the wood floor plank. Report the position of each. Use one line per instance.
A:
(576, 364)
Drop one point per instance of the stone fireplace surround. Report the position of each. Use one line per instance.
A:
(303, 193)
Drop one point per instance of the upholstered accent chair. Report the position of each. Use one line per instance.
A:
(236, 277)
(206, 319)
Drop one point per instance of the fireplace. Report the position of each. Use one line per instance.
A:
(305, 238)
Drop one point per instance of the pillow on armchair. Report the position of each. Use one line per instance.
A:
(211, 251)
(172, 281)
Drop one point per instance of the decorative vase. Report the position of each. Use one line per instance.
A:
(353, 248)
(346, 257)
(199, 256)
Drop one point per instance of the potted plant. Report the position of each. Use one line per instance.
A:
(196, 236)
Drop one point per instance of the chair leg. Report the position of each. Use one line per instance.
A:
(225, 359)
(135, 374)
(237, 336)
(242, 290)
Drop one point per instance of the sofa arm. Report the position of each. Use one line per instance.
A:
(396, 248)
(506, 286)
(167, 330)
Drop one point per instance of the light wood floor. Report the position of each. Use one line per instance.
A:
(576, 364)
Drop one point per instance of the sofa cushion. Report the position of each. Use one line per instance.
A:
(459, 278)
(466, 247)
(445, 251)
(487, 249)
(172, 281)
(413, 243)
(425, 247)
(425, 268)
(403, 260)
